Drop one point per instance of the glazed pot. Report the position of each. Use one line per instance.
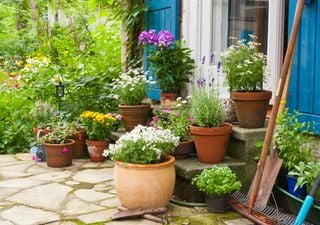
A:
(144, 186)
(132, 115)
(79, 147)
(96, 148)
(59, 155)
(211, 142)
(251, 107)
(183, 150)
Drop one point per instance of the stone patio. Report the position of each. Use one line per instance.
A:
(32, 193)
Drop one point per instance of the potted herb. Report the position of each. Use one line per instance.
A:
(99, 127)
(170, 61)
(209, 131)
(245, 69)
(295, 143)
(130, 90)
(304, 176)
(58, 147)
(218, 183)
(144, 173)
(178, 122)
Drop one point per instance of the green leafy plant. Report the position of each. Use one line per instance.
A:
(244, 65)
(306, 173)
(177, 121)
(294, 140)
(130, 87)
(60, 133)
(217, 181)
(43, 114)
(143, 145)
(206, 108)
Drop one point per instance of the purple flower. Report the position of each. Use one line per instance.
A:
(164, 38)
(33, 157)
(168, 110)
(203, 59)
(148, 37)
(155, 119)
(191, 119)
(218, 66)
(211, 57)
(65, 150)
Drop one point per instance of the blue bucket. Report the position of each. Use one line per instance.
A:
(300, 192)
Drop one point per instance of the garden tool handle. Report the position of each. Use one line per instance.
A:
(315, 186)
(275, 109)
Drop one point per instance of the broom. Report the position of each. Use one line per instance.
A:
(240, 202)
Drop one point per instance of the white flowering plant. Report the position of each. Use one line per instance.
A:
(130, 87)
(143, 145)
(244, 65)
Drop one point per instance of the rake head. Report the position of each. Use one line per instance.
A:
(260, 214)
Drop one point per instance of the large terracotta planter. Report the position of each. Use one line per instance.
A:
(211, 142)
(79, 147)
(168, 98)
(183, 150)
(59, 155)
(251, 107)
(132, 115)
(96, 148)
(144, 186)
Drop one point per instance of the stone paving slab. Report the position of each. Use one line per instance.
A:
(33, 194)
(23, 215)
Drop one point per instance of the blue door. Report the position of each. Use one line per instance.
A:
(304, 91)
(161, 15)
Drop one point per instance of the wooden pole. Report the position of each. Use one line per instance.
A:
(271, 125)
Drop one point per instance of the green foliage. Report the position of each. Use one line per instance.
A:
(294, 140)
(15, 123)
(206, 108)
(83, 54)
(44, 115)
(60, 133)
(173, 66)
(178, 121)
(306, 172)
(217, 181)
(244, 66)
(130, 87)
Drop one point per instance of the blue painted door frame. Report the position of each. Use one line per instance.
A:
(161, 15)
(304, 90)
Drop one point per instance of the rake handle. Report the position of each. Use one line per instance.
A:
(275, 109)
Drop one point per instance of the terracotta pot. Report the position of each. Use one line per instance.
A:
(79, 147)
(168, 98)
(132, 115)
(183, 150)
(251, 107)
(211, 142)
(42, 132)
(96, 148)
(144, 186)
(217, 204)
(56, 157)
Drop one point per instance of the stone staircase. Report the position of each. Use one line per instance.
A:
(240, 158)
